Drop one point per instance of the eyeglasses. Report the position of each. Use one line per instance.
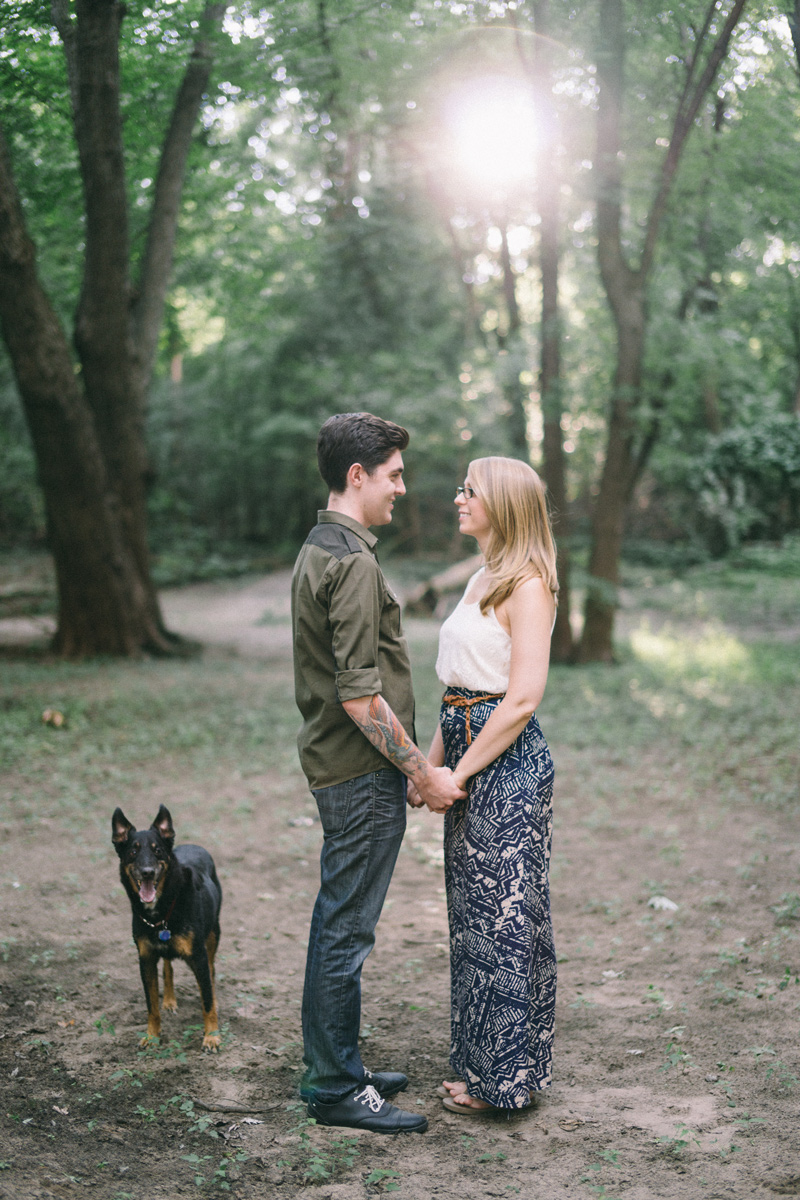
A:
(465, 491)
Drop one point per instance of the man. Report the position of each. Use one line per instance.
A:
(353, 688)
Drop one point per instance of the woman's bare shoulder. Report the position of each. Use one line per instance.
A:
(532, 591)
(531, 598)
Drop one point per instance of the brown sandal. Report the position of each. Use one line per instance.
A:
(468, 1110)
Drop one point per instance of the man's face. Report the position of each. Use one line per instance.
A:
(380, 490)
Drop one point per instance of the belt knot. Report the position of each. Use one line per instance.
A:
(466, 702)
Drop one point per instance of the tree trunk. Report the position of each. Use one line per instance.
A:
(103, 334)
(608, 520)
(626, 289)
(794, 26)
(88, 429)
(513, 360)
(102, 607)
(562, 647)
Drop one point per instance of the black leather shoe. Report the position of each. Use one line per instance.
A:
(386, 1083)
(366, 1109)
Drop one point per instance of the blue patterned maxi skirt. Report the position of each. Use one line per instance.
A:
(502, 956)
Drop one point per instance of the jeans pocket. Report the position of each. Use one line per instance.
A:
(389, 800)
(333, 804)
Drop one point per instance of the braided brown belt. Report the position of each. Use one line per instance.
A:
(467, 702)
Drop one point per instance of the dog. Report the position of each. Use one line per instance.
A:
(175, 900)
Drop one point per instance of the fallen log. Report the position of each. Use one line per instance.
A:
(431, 597)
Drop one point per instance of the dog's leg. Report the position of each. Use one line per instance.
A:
(204, 973)
(212, 942)
(200, 958)
(170, 1003)
(148, 968)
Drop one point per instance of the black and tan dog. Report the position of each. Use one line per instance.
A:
(175, 899)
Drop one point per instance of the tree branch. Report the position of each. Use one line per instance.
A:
(618, 277)
(156, 267)
(684, 119)
(66, 31)
(699, 40)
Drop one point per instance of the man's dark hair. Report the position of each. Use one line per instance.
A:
(357, 437)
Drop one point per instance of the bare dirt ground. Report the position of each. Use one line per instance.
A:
(676, 1062)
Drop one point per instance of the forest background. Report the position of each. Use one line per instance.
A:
(567, 232)
(564, 232)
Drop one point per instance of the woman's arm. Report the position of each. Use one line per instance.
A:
(436, 759)
(529, 612)
(436, 752)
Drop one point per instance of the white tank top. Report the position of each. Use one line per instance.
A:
(474, 649)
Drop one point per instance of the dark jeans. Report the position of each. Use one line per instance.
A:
(363, 822)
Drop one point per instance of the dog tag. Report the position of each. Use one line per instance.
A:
(164, 935)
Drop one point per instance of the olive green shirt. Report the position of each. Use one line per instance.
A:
(348, 643)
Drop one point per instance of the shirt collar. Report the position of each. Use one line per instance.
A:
(327, 516)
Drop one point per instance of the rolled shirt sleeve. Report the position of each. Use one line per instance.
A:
(355, 601)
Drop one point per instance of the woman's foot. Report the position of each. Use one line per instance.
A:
(457, 1097)
(452, 1089)
(464, 1100)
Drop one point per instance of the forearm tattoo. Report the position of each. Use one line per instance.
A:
(382, 728)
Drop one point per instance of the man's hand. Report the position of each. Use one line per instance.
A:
(438, 789)
(413, 798)
(378, 723)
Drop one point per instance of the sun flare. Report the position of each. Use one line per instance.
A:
(492, 129)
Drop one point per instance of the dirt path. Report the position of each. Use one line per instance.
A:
(676, 1066)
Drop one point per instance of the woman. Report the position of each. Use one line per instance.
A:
(493, 658)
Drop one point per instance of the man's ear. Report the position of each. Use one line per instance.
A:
(355, 475)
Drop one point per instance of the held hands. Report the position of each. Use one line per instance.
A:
(438, 789)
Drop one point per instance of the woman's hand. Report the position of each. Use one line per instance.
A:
(462, 780)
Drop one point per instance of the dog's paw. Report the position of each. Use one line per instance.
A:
(211, 1042)
(170, 1004)
(149, 1041)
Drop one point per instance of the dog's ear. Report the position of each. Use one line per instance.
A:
(121, 828)
(163, 825)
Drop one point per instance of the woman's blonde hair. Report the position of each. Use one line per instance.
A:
(521, 544)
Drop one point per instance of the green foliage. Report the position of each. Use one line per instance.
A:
(677, 1057)
(386, 1179)
(750, 480)
(677, 1144)
(787, 910)
(320, 1161)
(328, 256)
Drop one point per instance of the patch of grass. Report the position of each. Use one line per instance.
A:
(126, 1075)
(677, 1057)
(130, 724)
(782, 1075)
(677, 1144)
(609, 1158)
(384, 1179)
(787, 909)
(317, 1163)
